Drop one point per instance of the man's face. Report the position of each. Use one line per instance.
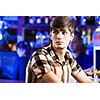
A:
(60, 37)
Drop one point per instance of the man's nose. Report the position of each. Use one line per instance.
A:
(59, 35)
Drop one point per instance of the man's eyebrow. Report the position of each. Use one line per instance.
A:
(63, 30)
(55, 29)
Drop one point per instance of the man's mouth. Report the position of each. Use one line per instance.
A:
(59, 42)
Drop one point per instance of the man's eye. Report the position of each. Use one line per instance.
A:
(55, 32)
(64, 33)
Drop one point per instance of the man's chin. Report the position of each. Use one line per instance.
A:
(60, 47)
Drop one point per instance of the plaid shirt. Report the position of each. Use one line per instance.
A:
(44, 60)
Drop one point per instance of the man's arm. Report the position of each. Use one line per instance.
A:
(82, 77)
(50, 77)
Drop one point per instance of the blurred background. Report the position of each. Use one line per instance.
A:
(20, 36)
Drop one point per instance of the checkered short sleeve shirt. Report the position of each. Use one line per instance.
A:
(44, 60)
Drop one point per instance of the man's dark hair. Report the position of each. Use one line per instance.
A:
(61, 22)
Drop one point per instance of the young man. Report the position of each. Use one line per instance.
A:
(54, 63)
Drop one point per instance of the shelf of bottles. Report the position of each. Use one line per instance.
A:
(87, 26)
(8, 32)
(36, 31)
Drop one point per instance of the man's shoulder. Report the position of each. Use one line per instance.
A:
(44, 50)
(68, 53)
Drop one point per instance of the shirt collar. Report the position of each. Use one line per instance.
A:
(54, 55)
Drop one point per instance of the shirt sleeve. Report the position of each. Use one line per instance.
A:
(39, 64)
(76, 68)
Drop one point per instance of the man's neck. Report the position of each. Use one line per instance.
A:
(61, 53)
